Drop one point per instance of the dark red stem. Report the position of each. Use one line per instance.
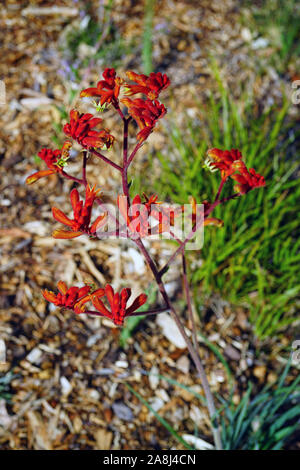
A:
(106, 160)
(189, 301)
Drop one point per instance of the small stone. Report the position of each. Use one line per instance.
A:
(34, 356)
(122, 411)
(260, 372)
(156, 403)
(232, 353)
(246, 34)
(170, 330)
(121, 364)
(183, 364)
(153, 378)
(260, 43)
(65, 386)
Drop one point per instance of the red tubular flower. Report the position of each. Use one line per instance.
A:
(73, 298)
(231, 165)
(247, 180)
(145, 113)
(107, 90)
(54, 159)
(80, 224)
(81, 127)
(224, 160)
(66, 297)
(118, 304)
(151, 85)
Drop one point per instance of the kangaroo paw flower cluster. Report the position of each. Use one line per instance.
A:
(107, 90)
(54, 159)
(117, 309)
(66, 297)
(80, 223)
(142, 215)
(151, 85)
(230, 163)
(82, 129)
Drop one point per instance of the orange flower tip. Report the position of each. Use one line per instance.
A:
(213, 221)
(39, 174)
(49, 296)
(79, 308)
(211, 152)
(60, 216)
(62, 287)
(65, 234)
(84, 94)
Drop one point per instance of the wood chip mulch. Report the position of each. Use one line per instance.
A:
(68, 389)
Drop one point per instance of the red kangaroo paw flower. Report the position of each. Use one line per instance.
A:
(80, 305)
(137, 303)
(81, 128)
(66, 297)
(230, 163)
(39, 174)
(117, 302)
(82, 212)
(137, 216)
(54, 159)
(145, 113)
(61, 217)
(226, 161)
(107, 90)
(248, 180)
(65, 234)
(151, 85)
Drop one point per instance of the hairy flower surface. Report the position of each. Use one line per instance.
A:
(81, 128)
(224, 160)
(247, 180)
(118, 309)
(145, 113)
(80, 223)
(230, 163)
(151, 85)
(54, 159)
(107, 90)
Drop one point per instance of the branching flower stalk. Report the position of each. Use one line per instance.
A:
(136, 212)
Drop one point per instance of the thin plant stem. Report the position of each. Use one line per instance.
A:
(84, 162)
(154, 311)
(194, 354)
(181, 248)
(70, 177)
(189, 300)
(125, 153)
(106, 160)
(133, 153)
(220, 189)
